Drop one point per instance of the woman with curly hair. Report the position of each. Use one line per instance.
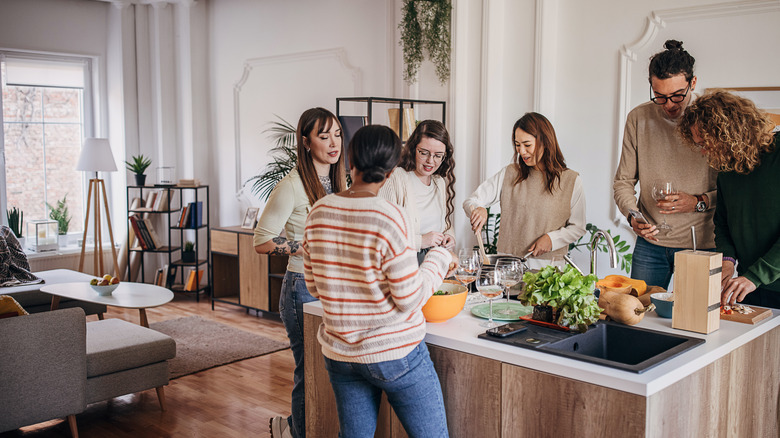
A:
(736, 137)
(542, 200)
(423, 184)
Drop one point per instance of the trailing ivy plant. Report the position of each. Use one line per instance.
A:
(425, 26)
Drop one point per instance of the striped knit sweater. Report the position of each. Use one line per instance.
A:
(358, 261)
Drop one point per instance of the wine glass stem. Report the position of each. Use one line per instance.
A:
(490, 315)
(506, 291)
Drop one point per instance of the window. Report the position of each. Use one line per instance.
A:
(44, 110)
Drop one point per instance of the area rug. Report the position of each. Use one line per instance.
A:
(202, 344)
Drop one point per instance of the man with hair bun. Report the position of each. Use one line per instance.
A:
(653, 152)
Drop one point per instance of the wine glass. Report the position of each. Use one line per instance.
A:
(662, 189)
(510, 273)
(468, 264)
(489, 285)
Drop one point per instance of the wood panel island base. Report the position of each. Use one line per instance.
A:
(728, 386)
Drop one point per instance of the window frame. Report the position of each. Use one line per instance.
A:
(89, 102)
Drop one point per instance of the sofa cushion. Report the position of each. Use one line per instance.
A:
(9, 307)
(116, 345)
(33, 295)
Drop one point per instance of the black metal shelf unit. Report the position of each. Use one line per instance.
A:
(175, 235)
(402, 103)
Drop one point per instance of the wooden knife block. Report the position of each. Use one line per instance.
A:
(697, 291)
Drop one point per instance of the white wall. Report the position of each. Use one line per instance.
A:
(280, 58)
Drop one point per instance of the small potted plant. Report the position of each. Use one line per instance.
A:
(15, 219)
(188, 253)
(139, 166)
(61, 214)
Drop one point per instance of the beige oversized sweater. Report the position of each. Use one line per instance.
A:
(653, 151)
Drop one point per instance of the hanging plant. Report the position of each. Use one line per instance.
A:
(425, 25)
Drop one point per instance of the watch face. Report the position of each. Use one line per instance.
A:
(700, 207)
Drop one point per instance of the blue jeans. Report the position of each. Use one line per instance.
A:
(652, 263)
(412, 388)
(294, 294)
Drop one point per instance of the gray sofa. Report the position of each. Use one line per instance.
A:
(33, 300)
(54, 364)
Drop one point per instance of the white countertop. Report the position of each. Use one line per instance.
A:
(460, 333)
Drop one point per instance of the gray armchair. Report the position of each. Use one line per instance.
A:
(42, 368)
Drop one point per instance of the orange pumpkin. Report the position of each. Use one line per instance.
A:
(622, 284)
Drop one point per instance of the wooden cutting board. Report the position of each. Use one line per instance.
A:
(759, 314)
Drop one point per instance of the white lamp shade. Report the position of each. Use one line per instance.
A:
(96, 156)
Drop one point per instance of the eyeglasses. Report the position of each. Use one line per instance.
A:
(424, 154)
(675, 98)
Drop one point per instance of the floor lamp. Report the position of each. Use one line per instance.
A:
(96, 157)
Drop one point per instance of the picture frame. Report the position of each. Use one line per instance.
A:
(765, 98)
(250, 218)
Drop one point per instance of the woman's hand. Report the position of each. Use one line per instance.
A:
(679, 202)
(431, 239)
(453, 265)
(478, 218)
(448, 241)
(728, 272)
(646, 231)
(736, 290)
(541, 246)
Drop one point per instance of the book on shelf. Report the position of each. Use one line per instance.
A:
(147, 238)
(189, 182)
(158, 277)
(161, 203)
(137, 231)
(184, 215)
(156, 242)
(170, 276)
(193, 280)
(196, 214)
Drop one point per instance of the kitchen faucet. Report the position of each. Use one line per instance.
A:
(594, 244)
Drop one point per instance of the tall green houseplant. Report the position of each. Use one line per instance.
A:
(285, 158)
(15, 219)
(425, 27)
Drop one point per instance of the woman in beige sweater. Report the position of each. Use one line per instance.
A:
(423, 184)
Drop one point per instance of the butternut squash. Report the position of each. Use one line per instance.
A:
(623, 308)
(622, 284)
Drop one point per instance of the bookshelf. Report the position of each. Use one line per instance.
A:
(368, 114)
(161, 219)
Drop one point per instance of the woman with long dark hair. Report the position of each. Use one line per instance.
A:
(358, 260)
(319, 171)
(423, 184)
(542, 200)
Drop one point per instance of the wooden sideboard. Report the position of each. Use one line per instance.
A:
(242, 276)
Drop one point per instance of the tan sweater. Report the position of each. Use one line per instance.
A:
(652, 151)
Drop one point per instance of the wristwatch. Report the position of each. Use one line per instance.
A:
(701, 206)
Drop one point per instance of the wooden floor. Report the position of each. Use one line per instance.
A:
(234, 400)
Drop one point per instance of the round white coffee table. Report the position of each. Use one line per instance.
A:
(129, 295)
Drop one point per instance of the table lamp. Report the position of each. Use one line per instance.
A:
(96, 157)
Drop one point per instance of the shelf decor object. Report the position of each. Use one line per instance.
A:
(96, 157)
(42, 235)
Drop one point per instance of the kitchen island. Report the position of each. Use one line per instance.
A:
(728, 386)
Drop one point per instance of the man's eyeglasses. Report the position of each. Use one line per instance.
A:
(424, 154)
(675, 98)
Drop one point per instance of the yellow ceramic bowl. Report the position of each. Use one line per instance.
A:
(440, 308)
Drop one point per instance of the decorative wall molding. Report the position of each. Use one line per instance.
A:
(338, 54)
(654, 22)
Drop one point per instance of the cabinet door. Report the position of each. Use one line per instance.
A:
(253, 291)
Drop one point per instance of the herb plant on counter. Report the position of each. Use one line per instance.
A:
(568, 291)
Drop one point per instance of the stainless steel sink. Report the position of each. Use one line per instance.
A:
(605, 343)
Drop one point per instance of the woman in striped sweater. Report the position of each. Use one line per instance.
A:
(359, 262)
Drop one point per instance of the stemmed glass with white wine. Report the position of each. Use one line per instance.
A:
(489, 285)
(510, 273)
(662, 189)
(468, 265)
